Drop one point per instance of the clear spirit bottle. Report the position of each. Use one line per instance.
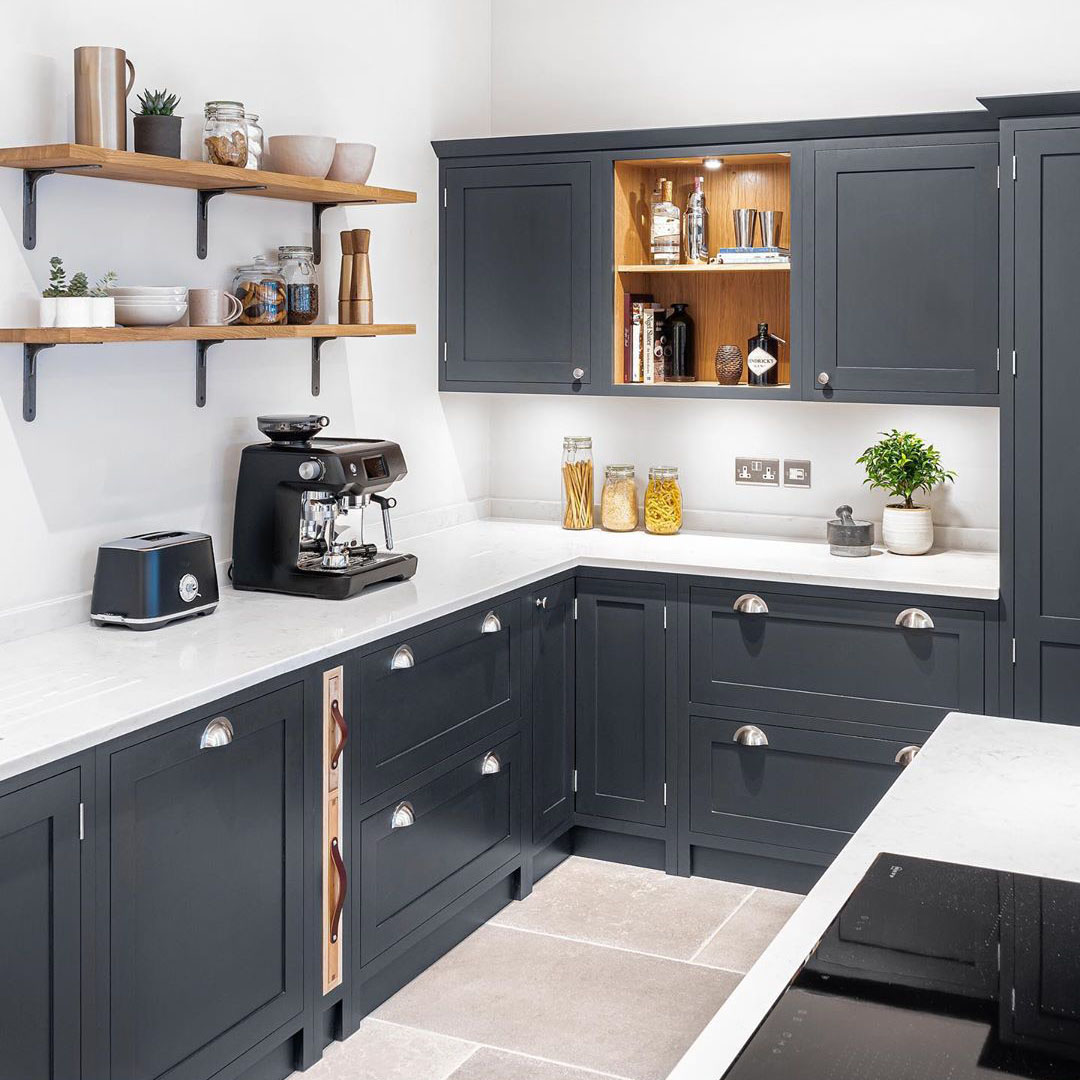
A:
(696, 225)
(664, 232)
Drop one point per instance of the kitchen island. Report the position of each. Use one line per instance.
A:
(985, 791)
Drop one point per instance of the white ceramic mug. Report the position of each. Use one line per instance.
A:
(213, 307)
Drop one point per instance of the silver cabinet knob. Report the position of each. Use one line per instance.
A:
(404, 816)
(541, 602)
(219, 732)
(402, 658)
(906, 756)
(823, 378)
(914, 618)
(491, 764)
(578, 373)
(750, 604)
(491, 624)
(749, 735)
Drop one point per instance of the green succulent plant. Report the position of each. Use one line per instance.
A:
(106, 282)
(157, 103)
(57, 278)
(902, 463)
(79, 286)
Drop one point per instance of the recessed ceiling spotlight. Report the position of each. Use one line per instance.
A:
(713, 162)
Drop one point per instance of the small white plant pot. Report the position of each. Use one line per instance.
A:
(73, 311)
(47, 311)
(102, 311)
(908, 532)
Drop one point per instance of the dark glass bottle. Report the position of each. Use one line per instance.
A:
(680, 333)
(763, 358)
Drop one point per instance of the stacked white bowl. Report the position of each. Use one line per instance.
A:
(149, 305)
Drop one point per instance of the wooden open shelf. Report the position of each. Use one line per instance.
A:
(726, 302)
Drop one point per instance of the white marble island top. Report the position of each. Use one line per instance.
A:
(984, 791)
(66, 690)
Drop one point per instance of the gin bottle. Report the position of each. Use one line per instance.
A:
(696, 225)
(664, 230)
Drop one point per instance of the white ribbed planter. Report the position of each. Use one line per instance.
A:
(907, 532)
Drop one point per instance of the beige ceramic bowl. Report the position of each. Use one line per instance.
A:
(352, 162)
(301, 155)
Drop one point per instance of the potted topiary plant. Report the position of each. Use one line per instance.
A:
(157, 130)
(900, 465)
(102, 305)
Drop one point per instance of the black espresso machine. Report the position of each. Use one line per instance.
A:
(300, 502)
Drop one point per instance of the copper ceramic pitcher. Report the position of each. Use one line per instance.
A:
(103, 79)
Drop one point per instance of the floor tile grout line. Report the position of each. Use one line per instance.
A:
(614, 948)
(502, 1050)
(474, 1046)
(731, 915)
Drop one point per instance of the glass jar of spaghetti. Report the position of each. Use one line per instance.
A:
(663, 501)
(577, 482)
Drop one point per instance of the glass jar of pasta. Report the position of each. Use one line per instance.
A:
(663, 501)
(577, 478)
(618, 501)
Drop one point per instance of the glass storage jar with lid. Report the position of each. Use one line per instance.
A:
(663, 501)
(225, 134)
(618, 501)
(301, 283)
(260, 288)
(255, 140)
(577, 486)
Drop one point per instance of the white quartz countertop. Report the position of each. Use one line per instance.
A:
(69, 689)
(984, 791)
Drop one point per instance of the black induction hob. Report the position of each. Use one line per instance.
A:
(932, 971)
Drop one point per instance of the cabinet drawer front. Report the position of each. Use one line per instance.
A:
(422, 852)
(804, 788)
(842, 659)
(207, 890)
(461, 685)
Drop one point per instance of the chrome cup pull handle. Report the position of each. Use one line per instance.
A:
(491, 624)
(914, 618)
(750, 604)
(750, 735)
(906, 756)
(219, 732)
(491, 764)
(403, 658)
(541, 602)
(404, 816)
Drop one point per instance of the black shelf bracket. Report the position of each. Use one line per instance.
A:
(29, 201)
(29, 393)
(202, 201)
(316, 363)
(202, 347)
(317, 210)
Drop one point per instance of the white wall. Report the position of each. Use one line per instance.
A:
(567, 66)
(118, 445)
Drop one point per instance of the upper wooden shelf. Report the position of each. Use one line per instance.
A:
(196, 175)
(697, 268)
(90, 335)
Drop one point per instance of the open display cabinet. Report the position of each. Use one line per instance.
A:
(726, 301)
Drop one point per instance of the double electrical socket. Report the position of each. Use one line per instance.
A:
(766, 472)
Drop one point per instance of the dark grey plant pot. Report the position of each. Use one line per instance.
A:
(158, 135)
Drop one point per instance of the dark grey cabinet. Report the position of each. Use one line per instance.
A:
(905, 269)
(1046, 514)
(551, 644)
(516, 260)
(206, 889)
(622, 683)
(39, 931)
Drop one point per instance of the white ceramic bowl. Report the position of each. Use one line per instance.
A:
(352, 162)
(131, 312)
(301, 155)
(168, 291)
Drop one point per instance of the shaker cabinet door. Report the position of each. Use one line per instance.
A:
(39, 931)
(905, 271)
(516, 258)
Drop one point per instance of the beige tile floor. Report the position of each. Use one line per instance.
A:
(604, 971)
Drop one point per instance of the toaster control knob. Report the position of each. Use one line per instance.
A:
(189, 588)
(311, 470)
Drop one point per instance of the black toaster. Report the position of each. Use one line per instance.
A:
(146, 581)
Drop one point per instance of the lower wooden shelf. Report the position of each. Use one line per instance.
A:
(34, 339)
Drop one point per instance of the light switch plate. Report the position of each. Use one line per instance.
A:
(759, 472)
(796, 473)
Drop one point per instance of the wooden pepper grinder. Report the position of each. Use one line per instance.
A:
(361, 305)
(346, 280)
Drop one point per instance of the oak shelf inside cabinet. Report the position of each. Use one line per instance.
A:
(710, 268)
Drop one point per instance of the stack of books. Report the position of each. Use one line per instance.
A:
(646, 349)
(735, 256)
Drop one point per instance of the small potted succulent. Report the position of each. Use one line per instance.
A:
(74, 303)
(73, 308)
(157, 129)
(900, 465)
(102, 305)
(51, 294)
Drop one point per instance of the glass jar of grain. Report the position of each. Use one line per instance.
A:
(618, 501)
(577, 482)
(663, 501)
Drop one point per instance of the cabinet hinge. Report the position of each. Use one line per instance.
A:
(1014, 363)
(82, 822)
(665, 794)
(444, 198)
(665, 616)
(575, 619)
(1014, 166)
(573, 781)
(1014, 650)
